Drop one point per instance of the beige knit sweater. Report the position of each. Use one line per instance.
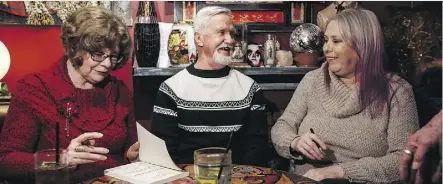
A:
(366, 149)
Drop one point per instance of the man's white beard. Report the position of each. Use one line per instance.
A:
(221, 59)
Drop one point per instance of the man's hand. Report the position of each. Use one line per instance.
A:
(418, 145)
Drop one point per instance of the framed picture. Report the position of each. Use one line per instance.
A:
(297, 12)
(189, 10)
(241, 17)
(257, 12)
(279, 16)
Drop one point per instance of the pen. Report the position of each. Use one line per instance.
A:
(316, 143)
(412, 172)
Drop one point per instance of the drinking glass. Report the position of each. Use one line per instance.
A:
(47, 171)
(207, 164)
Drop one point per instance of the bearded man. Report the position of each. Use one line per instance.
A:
(201, 105)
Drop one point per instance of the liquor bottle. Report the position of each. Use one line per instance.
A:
(146, 35)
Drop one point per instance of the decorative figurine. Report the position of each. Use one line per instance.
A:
(237, 55)
(146, 35)
(181, 47)
(307, 38)
(283, 58)
(269, 50)
(306, 42)
(254, 57)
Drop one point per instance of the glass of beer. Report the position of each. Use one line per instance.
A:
(47, 171)
(207, 164)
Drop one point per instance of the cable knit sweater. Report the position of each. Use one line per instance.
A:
(366, 150)
(41, 100)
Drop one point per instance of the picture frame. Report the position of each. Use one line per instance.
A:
(269, 12)
(189, 10)
(260, 16)
(298, 12)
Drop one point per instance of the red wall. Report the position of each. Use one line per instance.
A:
(31, 49)
(34, 48)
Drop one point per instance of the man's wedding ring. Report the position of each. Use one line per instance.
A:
(408, 152)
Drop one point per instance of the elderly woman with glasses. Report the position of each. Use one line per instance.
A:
(94, 110)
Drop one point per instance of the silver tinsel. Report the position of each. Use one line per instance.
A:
(306, 38)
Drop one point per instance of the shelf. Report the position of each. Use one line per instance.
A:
(278, 86)
(5, 99)
(267, 28)
(152, 71)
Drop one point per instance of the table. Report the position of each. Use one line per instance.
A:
(241, 174)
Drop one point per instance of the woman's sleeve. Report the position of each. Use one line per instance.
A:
(403, 121)
(285, 129)
(20, 133)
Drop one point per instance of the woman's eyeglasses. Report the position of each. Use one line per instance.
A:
(99, 57)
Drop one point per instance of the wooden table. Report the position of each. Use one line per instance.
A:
(241, 174)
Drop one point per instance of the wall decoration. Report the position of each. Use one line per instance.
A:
(297, 12)
(263, 13)
(54, 12)
(189, 10)
(259, 12)
(124, 10)
(181, 47)
(146, 35)
(239, 17)
(12, 12)
(13, 7)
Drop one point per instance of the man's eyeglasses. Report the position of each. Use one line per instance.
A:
(99, 57)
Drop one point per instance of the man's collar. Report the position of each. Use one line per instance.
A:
(208, 73)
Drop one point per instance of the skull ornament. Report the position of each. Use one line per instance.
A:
(254, 57)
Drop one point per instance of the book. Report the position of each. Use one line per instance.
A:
(155, 165)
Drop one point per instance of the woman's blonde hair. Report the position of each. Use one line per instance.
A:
(361, 30)
(93, 29)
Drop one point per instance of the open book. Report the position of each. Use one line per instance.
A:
(155, 166)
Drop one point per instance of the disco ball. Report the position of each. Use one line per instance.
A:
(306, 38)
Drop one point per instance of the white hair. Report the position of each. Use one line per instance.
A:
(201, 20)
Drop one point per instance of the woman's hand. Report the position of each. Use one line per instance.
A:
(81, 150)
(132, 153)
(331, 172)
(305, 144)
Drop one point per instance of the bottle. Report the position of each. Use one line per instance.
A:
(146, 35)
(269, 49)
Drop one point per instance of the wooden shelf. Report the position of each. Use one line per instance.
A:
(278, 86)
(152, 71)
(5, 99)
(267, 28)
